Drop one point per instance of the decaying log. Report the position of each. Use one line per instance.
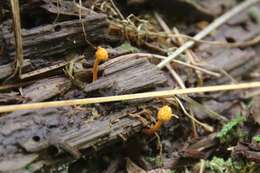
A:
(32, 132)
(46, 88)
(59, 38)
(127, 75)
(27, 133)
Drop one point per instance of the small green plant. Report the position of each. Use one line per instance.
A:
(128, 47)
(219, 165)
(228, 128)
(257, 138)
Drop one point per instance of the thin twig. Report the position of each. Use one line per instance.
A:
(150, 55)
(189, 54)
(80, 7)
(18, 36)
(202, 166)
(219, 21)
(247, 43)
(117, 10)
(164, 26)
(58, 2)
(128, 28)
(155, 94)
(176, 76)
(205, 126)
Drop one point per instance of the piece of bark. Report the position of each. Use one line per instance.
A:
(25, 132)
(59, 38)
(127, 75)
(46, 88)
(67, 8)
(17, 163)
(12, 97)
(226, 59)
(8, 69)
(244, 150)
(255, 110)
(201, 148)
(21, 126)
(236, 62)
(216, 106)
(240, 72)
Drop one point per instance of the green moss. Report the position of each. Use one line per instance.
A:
(257, 138)
(229, 127)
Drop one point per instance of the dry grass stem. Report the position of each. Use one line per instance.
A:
(155, 94)
(18, 36)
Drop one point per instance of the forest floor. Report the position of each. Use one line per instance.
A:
(49, 52)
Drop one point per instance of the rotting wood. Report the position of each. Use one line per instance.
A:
(7, 69)
(46, 88)
(245, 150)
(225, 59)
(64, 131)
(256, 109)
(127, 75)
(13, 97)
(44, 70)
(66, 8)
(235, 62)
(59, 38)
(240, 72)
(17, 163)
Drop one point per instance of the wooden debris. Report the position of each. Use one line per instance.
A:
(70, 136)
(13, 97)
(66, 8)
(244, 150)
(255, 110)
(59, 38)
(17, 163)
(44, 70)
(226, 59)
(7, 69)
(126, 75)
(46, 88)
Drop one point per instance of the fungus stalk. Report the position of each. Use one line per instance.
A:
(101, 55)
(164, 115)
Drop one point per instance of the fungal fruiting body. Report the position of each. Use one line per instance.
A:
(164, 115)
(101, 55)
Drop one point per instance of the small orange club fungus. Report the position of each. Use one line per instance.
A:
(101, 55)
(164, 115)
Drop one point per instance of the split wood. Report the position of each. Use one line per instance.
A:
(215, 24)
(168, 93)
